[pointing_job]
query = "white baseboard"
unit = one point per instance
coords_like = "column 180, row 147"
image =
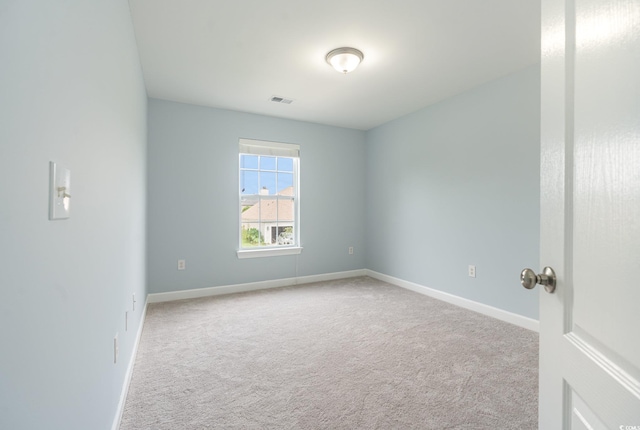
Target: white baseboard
column 251, row 286
column 127, row 378
column 500, row 314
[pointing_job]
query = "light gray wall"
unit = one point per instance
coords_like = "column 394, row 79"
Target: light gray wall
column 193, row 197
column 72, row 92
column 457, row 183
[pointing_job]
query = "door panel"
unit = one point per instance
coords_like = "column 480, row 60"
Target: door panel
column 607, row 168
column 582, row 417
column 590, row 214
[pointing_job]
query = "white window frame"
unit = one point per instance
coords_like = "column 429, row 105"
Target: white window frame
column 273, row 149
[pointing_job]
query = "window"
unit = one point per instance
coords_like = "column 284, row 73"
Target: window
column 269, row 204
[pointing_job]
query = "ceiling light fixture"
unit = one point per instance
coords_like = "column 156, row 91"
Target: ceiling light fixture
column 344, row 60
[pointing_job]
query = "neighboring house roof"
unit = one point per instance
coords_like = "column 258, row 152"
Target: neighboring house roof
column 286, row 192
column 266, row 210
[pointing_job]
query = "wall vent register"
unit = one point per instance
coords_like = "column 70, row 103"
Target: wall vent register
column 277, row 99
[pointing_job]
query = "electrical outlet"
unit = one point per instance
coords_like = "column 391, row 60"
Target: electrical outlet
column 182, row 264
column 126, row 321
column 350, row 250
column 472, row 271
column 133, row 302
column 115, row 349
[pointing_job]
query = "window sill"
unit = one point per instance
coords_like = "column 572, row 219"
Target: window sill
column 269, row 252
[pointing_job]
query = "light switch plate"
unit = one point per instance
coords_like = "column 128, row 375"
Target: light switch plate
column 59, row 191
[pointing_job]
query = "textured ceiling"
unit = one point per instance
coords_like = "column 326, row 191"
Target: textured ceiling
column 238, row 54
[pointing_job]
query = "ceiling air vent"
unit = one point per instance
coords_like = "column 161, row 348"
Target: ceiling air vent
column 281, row 100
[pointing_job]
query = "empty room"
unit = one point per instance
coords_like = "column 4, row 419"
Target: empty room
column 320, row 215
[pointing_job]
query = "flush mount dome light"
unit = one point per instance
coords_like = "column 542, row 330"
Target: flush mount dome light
column 344, row 60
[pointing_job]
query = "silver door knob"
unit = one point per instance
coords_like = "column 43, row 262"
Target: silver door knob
column 529, row 279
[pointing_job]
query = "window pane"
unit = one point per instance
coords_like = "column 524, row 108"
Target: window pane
column 267, row 163
column 284, row 236
column 286, row 211
column 268, row 211
column 248, row 161
column 267, row 183
column 251, row 236
column 285, row 164
column 248, row 182
column 246, row 203
column 285, row 184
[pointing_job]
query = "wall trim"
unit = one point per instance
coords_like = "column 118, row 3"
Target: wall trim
column 506, row 316
column 250, row 286
column 129, row 374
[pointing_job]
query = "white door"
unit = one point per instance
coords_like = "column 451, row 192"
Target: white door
column 590, row 215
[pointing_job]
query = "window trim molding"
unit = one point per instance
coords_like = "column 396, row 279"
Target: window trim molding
column 268, row 252
column 269, row 149
column 272, row 149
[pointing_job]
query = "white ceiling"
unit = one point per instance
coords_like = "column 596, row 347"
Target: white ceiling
column 237, row 54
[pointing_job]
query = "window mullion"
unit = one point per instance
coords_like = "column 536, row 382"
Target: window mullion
column 259, row 201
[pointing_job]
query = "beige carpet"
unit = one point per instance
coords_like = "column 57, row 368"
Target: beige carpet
column 348, row 354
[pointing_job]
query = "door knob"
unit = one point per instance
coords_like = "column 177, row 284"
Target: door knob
column 529, row 279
